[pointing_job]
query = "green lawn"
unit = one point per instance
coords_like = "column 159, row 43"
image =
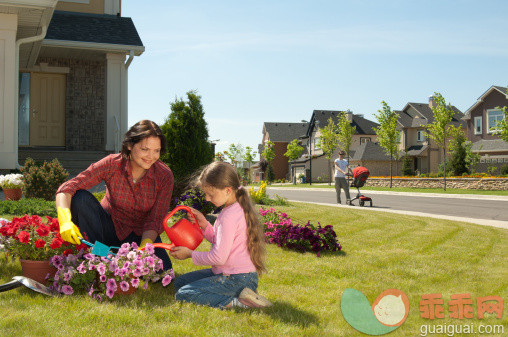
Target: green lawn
column 400, row 189
column 380, row 251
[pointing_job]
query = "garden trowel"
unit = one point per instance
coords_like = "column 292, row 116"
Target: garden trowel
column 19, row 281
column 99, row 248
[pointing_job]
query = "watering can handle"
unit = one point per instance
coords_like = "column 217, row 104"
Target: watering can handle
column 176, row 209
column 167, row 246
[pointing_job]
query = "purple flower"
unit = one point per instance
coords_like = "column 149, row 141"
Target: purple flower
column 67, row 290
column 124, row 286
column 135, row 282
column 166, row 280
column 102, row 278
column 67, row 276
column 149, row 248
column 111, row 284
column 110, row 292
column 138, row 272
column 81, row 268
column 101, row 268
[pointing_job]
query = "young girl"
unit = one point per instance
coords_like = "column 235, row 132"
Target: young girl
column 237, row 250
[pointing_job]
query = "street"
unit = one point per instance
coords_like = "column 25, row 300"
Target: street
column 485, row 210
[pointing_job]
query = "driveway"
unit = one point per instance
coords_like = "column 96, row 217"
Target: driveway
column 479, row 209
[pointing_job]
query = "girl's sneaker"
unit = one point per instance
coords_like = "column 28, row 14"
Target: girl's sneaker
column 252, row 299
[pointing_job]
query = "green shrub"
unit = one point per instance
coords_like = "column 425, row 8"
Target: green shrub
column 504, row 170
column 407, row 162
column 42, row 181
column 99, row 195
column 270, row 175
column 34, row 206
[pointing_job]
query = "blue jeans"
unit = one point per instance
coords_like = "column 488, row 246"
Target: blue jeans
column 216, row 290
column 88, row 214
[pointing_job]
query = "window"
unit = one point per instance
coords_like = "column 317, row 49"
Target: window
column 317, row 143
column 493, row 117
column 364, row 140
column 24, row 109
column 478, row 125
column 420, row 136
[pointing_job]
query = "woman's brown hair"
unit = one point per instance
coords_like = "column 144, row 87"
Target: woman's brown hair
column 139, row 131
column 221, row 175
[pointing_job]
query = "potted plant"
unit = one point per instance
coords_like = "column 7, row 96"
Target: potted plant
column 107, row 276
column 12, row 186
column 34, row 242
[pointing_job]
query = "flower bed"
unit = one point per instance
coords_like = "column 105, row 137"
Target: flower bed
column 104, row 276
column 280, row 230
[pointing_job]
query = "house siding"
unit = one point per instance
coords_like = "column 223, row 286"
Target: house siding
column 491, row 101
column 84, row 103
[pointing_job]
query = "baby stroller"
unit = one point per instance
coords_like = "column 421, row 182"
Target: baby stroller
column 360, row 175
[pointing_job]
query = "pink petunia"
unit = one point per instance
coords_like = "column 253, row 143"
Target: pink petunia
column 110, row 292
column 166, row 280
column 101, row 268
column 67, row 290
column 135, row 282
column 102, row 278
column 124, row 286
column 111, row 284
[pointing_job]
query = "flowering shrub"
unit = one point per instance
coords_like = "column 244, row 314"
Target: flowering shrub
column 257, row 196
column 104, row 276
column 31, row 239
column 42, row 181
column 280, row 230
column 195, row 199
column 11, row 181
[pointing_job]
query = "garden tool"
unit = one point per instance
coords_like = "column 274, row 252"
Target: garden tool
column 19, row 281
column 182, row 233
column 99, row 248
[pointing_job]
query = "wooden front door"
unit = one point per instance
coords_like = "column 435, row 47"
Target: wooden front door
column 47, row 109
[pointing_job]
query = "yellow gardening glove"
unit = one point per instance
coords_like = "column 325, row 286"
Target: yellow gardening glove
column 68, row 230
column 144, row 242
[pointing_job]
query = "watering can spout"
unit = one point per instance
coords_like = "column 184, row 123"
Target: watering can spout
column 182, row 233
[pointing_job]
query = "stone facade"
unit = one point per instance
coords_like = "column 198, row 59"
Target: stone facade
column 85, row 103
column 492, row 184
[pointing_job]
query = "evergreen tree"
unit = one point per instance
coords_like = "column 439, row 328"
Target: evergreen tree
column 294, row 151
column 458, row 164
column 186, row 131
column 407, row 170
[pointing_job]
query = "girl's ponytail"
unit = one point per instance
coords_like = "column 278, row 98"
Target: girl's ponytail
column 255, row 233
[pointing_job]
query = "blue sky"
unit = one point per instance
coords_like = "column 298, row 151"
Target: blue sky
column 277, row 61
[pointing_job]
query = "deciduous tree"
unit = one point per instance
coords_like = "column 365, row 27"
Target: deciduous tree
column 387, row 134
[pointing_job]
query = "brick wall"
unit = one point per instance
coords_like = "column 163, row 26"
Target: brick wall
column 85, row 103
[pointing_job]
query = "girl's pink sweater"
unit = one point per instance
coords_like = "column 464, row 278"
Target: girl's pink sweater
column 229, row 253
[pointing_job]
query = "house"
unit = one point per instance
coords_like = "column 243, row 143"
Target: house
column 415, row 143
column 481, row 119
column 318, row 168
column 281, row 134
column 372, row 156
column 63, row 69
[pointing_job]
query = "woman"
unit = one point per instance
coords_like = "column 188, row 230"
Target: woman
column 138, row 194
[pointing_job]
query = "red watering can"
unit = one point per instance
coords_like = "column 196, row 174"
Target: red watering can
column 182, row 233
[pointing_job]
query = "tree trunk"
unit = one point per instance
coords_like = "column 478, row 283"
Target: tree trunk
column 444, row 175
column 391, row 175
column 329, row 173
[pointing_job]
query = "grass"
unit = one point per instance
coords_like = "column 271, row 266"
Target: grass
column 399, row 189
column 380, row 251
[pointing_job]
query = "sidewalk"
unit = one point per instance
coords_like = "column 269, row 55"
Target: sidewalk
column 414, row 194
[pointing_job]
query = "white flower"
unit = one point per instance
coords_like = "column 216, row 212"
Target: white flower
column 12, row 180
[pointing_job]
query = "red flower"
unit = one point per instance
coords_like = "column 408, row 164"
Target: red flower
column 23, row 237
column 43, row 230
column 67, row 252
column 40, row 243
column 56, row 243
